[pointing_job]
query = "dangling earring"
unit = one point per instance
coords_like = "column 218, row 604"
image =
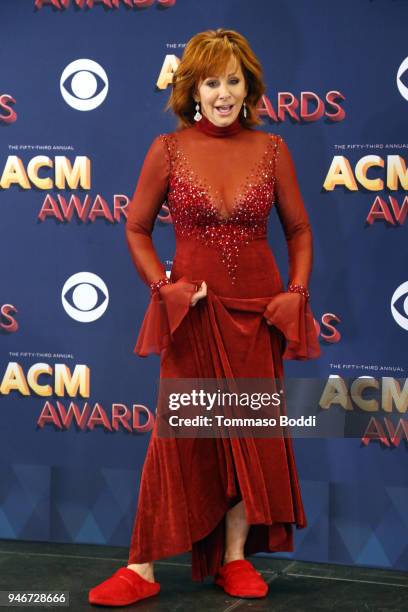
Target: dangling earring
column 198, row 116
column 245, row 110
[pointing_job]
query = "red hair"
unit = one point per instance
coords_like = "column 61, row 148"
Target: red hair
column 207, row 54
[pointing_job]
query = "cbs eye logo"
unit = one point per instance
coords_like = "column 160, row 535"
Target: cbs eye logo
column 80, row 296
column 80, row 82
column 400, row 299
column 402, row 87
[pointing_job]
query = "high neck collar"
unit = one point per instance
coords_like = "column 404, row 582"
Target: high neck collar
column 209, row 128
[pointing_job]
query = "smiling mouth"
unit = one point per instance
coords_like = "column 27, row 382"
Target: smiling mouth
column 225, row 108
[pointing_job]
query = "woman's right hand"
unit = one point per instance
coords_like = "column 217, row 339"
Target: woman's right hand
column 198, row 295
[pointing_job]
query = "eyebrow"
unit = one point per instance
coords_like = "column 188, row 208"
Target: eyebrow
column 230, row 74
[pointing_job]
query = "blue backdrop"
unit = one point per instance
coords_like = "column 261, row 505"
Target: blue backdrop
column 67, row 483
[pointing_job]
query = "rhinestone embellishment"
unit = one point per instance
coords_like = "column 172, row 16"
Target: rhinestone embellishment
column 194, row 212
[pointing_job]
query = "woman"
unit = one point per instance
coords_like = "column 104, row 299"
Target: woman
column 223, row 313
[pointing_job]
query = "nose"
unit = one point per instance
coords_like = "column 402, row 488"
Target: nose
column 224, row 92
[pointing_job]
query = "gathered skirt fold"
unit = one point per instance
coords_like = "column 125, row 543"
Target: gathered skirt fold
column 189, row 484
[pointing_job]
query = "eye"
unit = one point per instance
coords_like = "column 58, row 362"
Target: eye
column 84, row 84
column 402, row 78
column 214, row 83
column 399, row 305
column 85, row 297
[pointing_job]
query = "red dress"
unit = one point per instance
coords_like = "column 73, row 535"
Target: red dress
column 220, row 184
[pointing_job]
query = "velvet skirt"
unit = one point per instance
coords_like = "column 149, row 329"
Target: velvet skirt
column 189, row 484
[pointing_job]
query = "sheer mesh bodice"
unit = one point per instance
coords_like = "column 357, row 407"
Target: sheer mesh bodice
column 220, row 184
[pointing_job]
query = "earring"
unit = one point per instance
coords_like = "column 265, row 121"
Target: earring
column 198, row 116
column 245, row 110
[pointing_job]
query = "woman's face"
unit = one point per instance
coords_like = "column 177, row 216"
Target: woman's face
column 221, row 96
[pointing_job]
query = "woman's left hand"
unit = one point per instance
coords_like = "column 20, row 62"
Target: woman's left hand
column 281, row 302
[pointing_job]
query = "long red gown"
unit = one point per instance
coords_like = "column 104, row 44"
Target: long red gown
column 220, row 184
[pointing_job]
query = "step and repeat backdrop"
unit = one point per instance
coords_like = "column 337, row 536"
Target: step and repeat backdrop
column 83, row 88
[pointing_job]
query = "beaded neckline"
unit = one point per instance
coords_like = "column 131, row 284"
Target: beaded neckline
column 209, row 128
column 195, row 206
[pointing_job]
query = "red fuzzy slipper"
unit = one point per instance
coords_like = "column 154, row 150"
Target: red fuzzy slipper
column 240, row 579
column 123, row 588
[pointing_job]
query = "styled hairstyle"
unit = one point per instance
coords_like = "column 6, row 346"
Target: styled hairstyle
column 207, row 54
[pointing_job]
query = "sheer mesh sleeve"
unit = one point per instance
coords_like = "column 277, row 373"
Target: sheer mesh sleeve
column 149, row 195
column 294, row 218
column 167, row 308
column 290, row 312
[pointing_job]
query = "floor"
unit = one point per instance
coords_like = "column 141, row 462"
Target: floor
column 294, row 585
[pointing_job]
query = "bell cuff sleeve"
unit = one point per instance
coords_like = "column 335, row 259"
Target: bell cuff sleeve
column 291, row 314
column 164, row 314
